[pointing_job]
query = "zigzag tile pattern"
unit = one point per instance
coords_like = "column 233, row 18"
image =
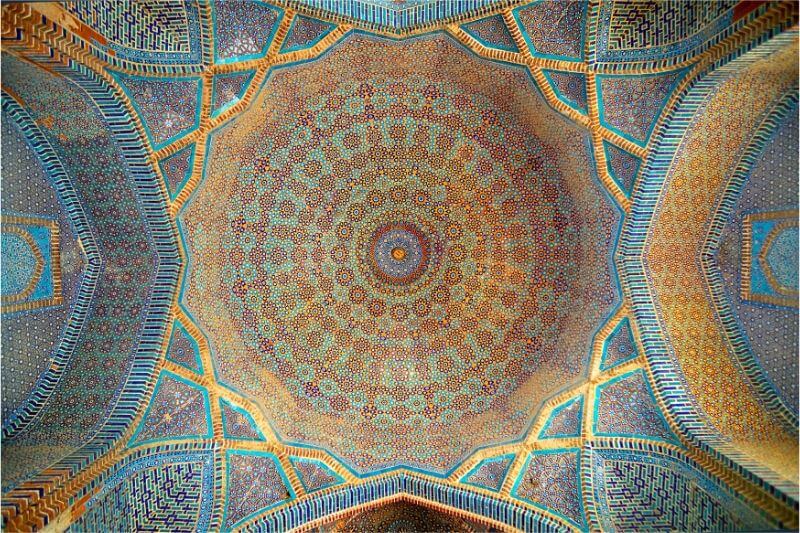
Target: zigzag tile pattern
column 200, row 455
column 169, row 491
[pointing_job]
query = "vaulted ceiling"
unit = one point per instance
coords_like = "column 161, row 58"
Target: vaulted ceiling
column 375, row 264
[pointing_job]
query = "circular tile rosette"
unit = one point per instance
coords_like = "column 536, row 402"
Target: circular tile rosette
column 400, row 252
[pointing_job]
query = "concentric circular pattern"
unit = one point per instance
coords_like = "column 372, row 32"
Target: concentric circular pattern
column 383, row 254
column 400, row 252
column 395, row 256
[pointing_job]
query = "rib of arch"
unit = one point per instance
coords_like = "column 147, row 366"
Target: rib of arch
column 337, row 502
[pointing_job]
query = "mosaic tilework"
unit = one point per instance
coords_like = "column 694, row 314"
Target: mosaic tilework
column 20, row 264
column 619, row 347
column 405, row 516
column 165, row 17
column 769, row 257
column 631, row 104
column 570, row 87
column 305, row 32
column 228, row 88
column 238, row 424
column 30, row 248
column 778, row 258
column 489, row 473
column 492, row 32
column 179, row 409
column 105, row 162
column 691, row 342
column 405, row 372
column 147, row 31
column 243, row 29
column 461, row 499
column 626, row 406
column 769, row 331
column 564, row 421
column 32, row 181
column 177, row 168
column 622, row 166
column 550, row 480
column 549, row 28
column 255, row 483
column 168, row 108
column 184, row 350
column 300, row 276
column 400, row 16
column 640, row 490
column 163, row 492
column 652, row 30
column 315, row 475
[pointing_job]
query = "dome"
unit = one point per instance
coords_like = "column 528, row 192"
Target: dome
column 399, row 265
column 402, row 251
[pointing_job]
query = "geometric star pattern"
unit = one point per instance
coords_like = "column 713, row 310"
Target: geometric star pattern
column 315, row 475
column 542, row 470
column 626, row 406
column 565, row 421
column 619, row 347
column 551, row 480
column 489, row 473
column 178, row 410
column 238, row 424
column 255, row 482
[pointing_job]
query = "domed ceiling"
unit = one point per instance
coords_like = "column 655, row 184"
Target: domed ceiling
column 367, row 265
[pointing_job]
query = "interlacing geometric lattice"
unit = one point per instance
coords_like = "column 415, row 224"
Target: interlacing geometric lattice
column 286, row 474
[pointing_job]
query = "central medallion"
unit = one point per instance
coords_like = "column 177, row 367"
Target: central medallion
column 400, row 252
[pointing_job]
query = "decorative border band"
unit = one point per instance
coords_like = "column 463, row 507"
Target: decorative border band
column 671, row 390
column 333, row 502
column 48, row 381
